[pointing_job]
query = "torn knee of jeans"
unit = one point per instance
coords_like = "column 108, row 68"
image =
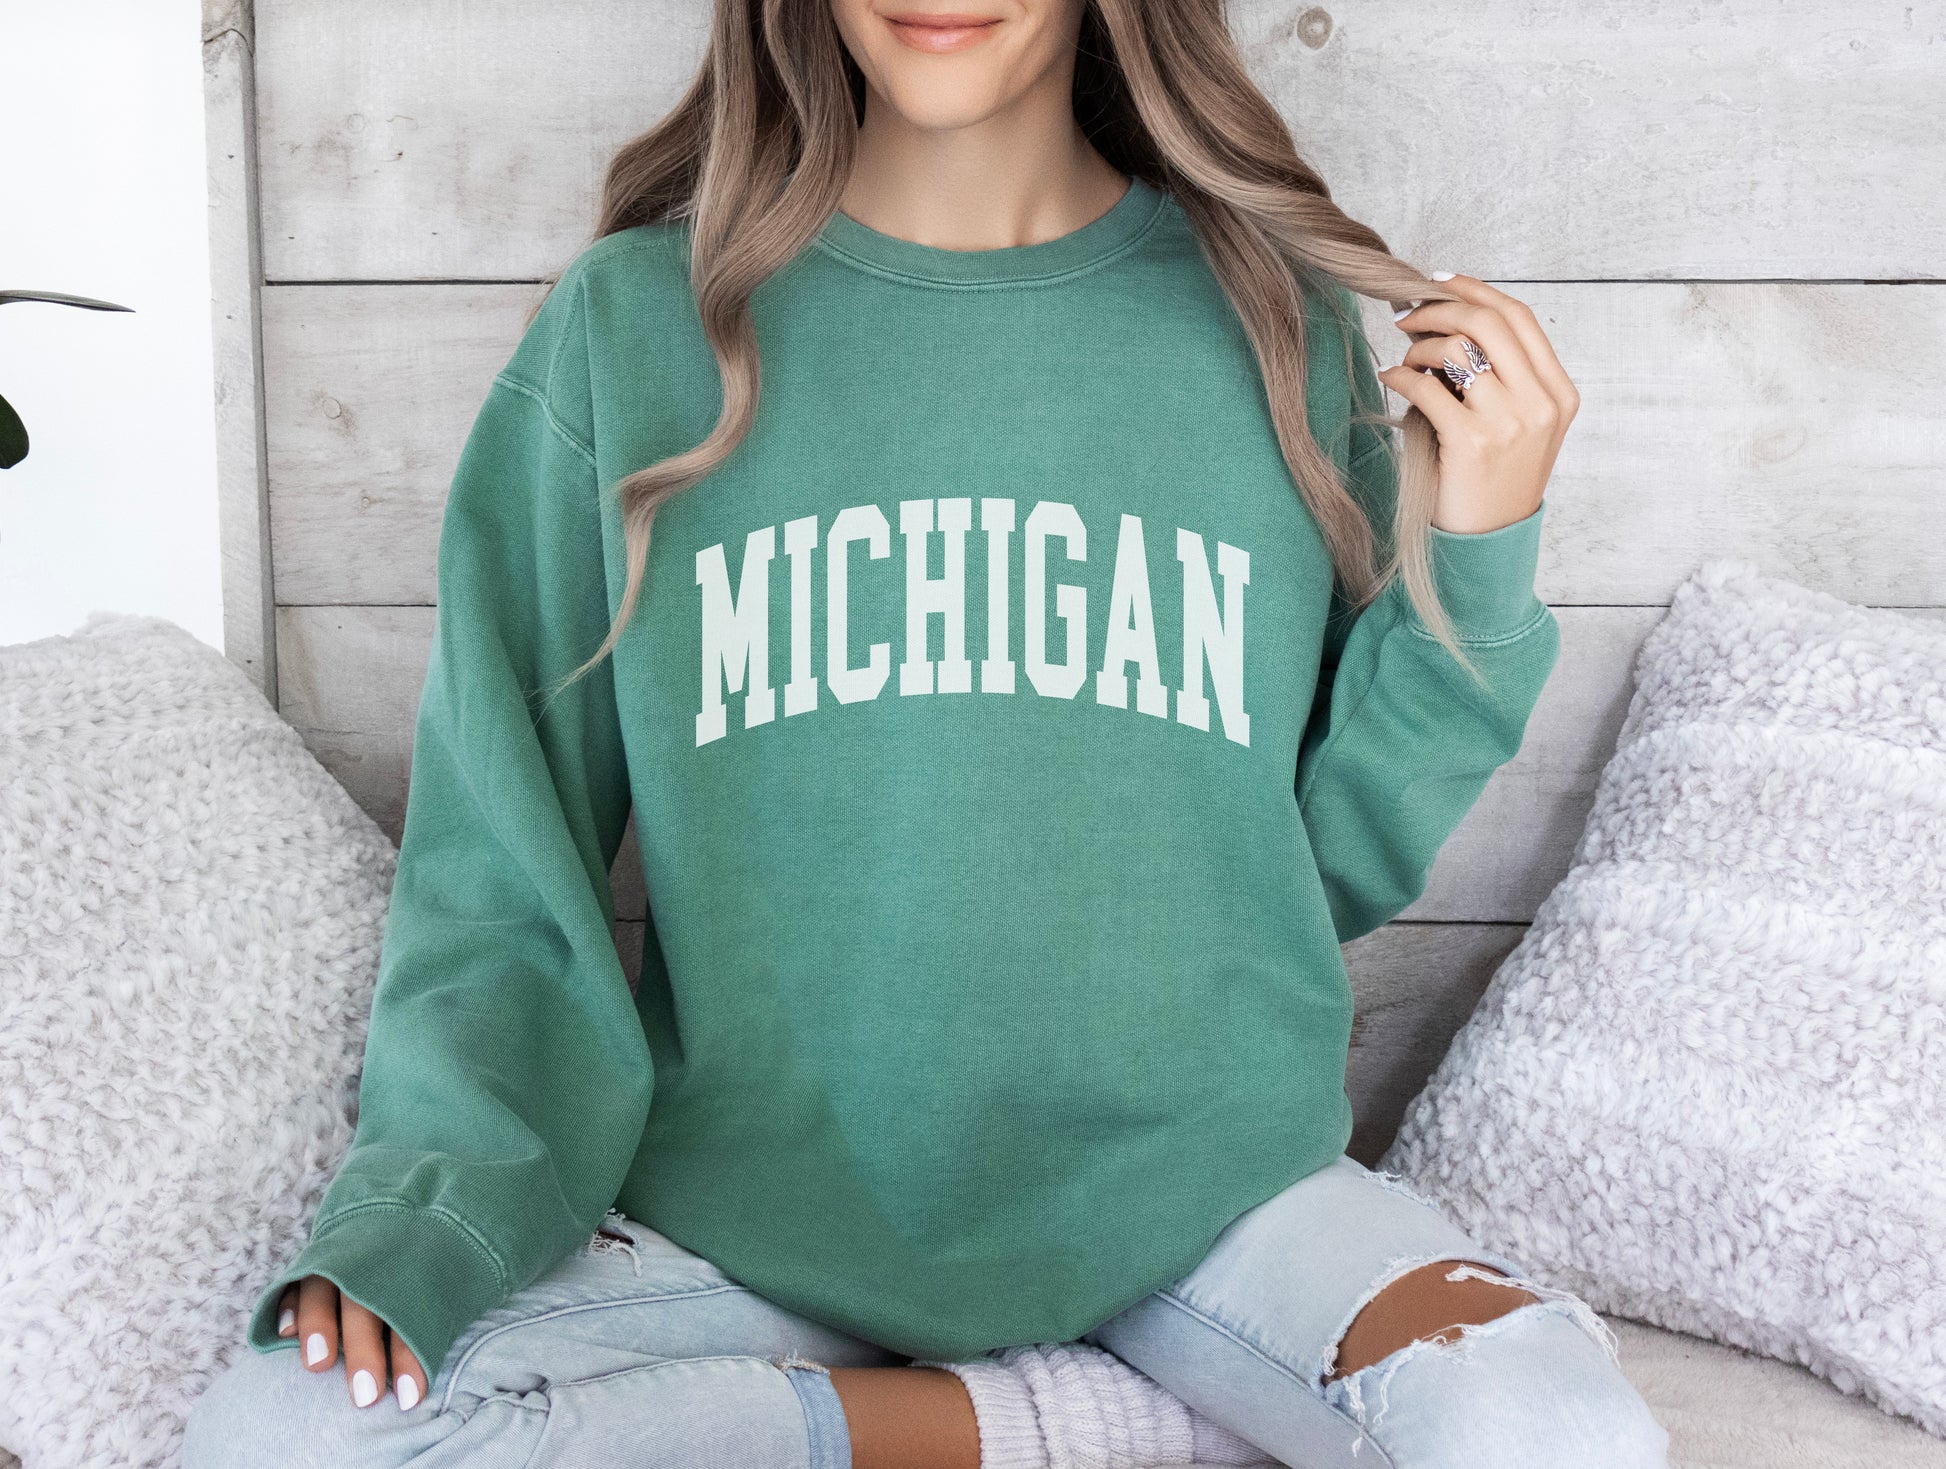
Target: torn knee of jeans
column 1395, row 1268
column 1362, row 1393
column 1498, row 1271
column 1568, row 1303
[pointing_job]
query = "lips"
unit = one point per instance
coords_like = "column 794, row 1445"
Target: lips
column 939, row 33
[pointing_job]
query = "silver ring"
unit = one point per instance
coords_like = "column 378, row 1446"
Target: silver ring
column 1462, row 377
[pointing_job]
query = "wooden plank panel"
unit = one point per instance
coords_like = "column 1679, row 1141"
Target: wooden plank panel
column 1776, row 422
column 1413, row 986
column 1771, row 421
column 1641, row 141
column 230, row 131
column 349, row 683
column 464, row 139
column 351, row 680
column 453, row 139
column 370, row 392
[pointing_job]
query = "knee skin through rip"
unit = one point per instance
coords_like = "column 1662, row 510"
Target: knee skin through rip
column 1425, row 1304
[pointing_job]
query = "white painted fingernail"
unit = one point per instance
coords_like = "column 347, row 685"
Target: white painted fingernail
column 1442, row 275
column 408, row 1390
column 364, row 1388
column 1404, row 311
column 316, row 1348
column 286, row 1320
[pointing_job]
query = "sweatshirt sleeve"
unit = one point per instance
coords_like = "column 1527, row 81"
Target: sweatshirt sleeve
column 506, row 1075
column 1401, row 741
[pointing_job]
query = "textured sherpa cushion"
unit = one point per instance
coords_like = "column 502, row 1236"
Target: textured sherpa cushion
column 191, row 911
column 1708, row 1088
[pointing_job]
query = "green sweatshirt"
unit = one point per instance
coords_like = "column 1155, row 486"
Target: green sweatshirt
column 1006, row 772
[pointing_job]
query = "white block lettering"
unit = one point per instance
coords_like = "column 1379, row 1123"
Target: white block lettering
column 856, row 523
column 1055, row 680
column 735, row 634
column 800, row 544
column 1204, row 633
column 1131, row 630
column 997, row 669
column 945, row 596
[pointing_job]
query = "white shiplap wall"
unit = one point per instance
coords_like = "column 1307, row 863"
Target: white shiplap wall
column 1730, row 217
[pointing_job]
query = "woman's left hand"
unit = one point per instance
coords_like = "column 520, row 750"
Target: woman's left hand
column 1498, row 442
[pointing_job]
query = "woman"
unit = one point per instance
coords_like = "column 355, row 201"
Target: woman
column 981, row 1101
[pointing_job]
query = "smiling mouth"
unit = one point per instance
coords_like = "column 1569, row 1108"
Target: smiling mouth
column 940, row 33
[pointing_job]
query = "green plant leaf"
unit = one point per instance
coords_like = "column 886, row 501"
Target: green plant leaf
column 56, row 298
column 13, row 433
column 13, row 436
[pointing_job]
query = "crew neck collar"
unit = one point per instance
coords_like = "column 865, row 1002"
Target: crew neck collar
column 1103, row 237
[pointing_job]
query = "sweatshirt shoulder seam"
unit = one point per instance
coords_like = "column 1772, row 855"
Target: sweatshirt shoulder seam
column 567, row 436
column 576, row 319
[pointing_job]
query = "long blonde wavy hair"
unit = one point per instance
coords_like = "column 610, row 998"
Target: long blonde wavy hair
column 758, row 152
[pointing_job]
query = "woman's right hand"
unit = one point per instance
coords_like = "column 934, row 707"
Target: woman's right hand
column 320, row 1318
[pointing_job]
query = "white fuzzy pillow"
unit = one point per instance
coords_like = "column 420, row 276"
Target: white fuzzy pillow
column 1708, row 1089
column 191, row 911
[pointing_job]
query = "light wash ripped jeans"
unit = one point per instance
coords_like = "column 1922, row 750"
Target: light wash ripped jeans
column 645, row 1354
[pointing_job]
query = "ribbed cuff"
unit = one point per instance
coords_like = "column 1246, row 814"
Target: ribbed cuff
column 1485, row 579
column 1212, row 1443
column 418, row 1270
column 1003, row 1410
column 1097, row 1410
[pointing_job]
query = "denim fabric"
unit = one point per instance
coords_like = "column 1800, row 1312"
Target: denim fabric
column 1248, row 1336
column 636, row 1353
column 647, row 1354
column 829, row 1439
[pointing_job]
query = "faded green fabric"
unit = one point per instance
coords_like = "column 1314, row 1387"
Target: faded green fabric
column 1004, row 780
